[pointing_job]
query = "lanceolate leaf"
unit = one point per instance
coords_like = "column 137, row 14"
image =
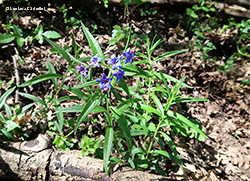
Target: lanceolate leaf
column 172, row 79
column 123, row 125
column 40, row 78
column 124, row 86
column 185, row 121
column 95, row 47
column 168, row 54
column 172, row 146
column 59, row 115
column 158, row 104
column 108, row 143
column 33, row 98
column 150, row 109
column 87, row 109
column 60, row 50
column 5, row 96
column 52, row 71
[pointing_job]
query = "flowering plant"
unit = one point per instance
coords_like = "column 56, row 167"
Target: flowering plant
column 134, row 121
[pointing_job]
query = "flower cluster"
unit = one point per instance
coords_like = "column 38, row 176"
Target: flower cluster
column 115, row 62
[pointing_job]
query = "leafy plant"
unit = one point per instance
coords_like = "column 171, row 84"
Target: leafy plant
column 128, row 118
column 18, row 34
column 89, row 145
column 9, row 128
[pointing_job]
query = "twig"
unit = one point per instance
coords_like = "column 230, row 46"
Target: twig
column 15, row 58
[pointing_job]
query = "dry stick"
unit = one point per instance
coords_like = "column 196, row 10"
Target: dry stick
column 15, row 58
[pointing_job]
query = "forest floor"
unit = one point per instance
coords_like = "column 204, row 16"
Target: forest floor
column 225, row 155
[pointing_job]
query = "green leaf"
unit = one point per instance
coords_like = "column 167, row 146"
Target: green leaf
column 158, row 104
column 23, row 109
column 87, row 109
column 17, row 31
column 7, row 134
column 132, row 70
column 76, row 91
column 160, row 89
column 129, row 38
column 89, row 83
column 123, row 125
column 52, row 71
column 112, row 41
column 168, row 54
column 51, row 34
column 165, row 154
column 60, row 50
column 191, row 13
column 171, row 79
column 189, row 99
column 8, row 111
column 95, row 47
column 40, row 78
column 172, row 146
column 5, row 96
column 124, row 86
column 31, row 97
column 66, row 98
column 150, row 109
column 6, row 38
column 138, row 132
column 108, row 144
column 59, row 115
column 185, row 121
column 20, row 41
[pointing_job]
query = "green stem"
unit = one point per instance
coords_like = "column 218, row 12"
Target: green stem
column 152, row 140
column 57, row 92
column 241, row 53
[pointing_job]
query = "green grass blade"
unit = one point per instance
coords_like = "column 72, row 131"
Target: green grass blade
column 108, row 144
column 5, row 96
column 40, row 78
column 87, row 109
column 95, row 47
column 33, row 98
column 60, row 50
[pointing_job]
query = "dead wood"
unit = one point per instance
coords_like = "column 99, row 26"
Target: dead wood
column 37, row 160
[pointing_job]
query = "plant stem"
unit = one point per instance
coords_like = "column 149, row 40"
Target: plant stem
column 152, row 140
column 57, row 92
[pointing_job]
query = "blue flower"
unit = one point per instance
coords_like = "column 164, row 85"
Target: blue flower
column 115, row 62
column 119, row 74
column 82, row 70
column 128, row 55
column 95, row 61
column 105, row 82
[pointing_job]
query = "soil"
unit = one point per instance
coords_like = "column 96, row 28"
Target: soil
column 226, row 116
